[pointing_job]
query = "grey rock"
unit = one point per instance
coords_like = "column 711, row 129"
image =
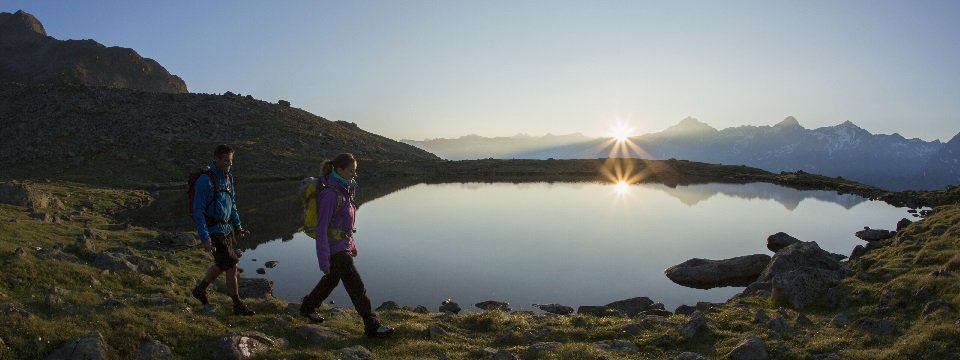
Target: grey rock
column 16, row 310
column 685, row 309
column 686, row 355
column 22, row 194
column 780, row 240
column 255, row 288
column 882, row 327
column 555, row 308
column 436, row 330
column 94, row 234
column 801, row 255
column 803, row 321
column 693, row 327
column 857, row 252
column 245, row 345
column 113, row 262
column 83, row 244
column 341, row 313
column 450, row 306
column 56, row 254
column 903, row 223
column 388, row 306
column 933, row 306
column 209, row 309
column 421, row 309
column 88, row 347
column 840, row 320
column 830, row 356
column 507, row 337
column 780, row 326
column 316, row 334
column 751, row 348
column 493, row 305
column 708, row 274
column 356, row 352
column 261, row 271
column 634, row 306
column 868, row 234
column 494, row 354
column 804, row 286
column 664, row 341
column 923, row 293
column 600, row 311
column 176, row 239
column 153, row 349
column 939, row 230
column 542, row 348
column 271, row 264
column 761, row 317
column 620, row 346
column 19, row 252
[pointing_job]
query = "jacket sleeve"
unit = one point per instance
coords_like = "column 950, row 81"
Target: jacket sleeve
column 234, row 214
column 326, row 202
column 201, row 194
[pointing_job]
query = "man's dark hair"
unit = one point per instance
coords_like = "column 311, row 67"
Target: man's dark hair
column 221, row 150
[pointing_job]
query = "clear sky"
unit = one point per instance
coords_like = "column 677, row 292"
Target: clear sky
column 427, row 69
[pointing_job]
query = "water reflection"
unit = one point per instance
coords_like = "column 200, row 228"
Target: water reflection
column 570, row 243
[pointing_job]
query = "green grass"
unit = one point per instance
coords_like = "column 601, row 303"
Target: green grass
column 66, row 300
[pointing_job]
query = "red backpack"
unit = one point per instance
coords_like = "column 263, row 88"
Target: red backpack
column 191, row 188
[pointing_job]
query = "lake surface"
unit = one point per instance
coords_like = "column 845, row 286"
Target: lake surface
column 568, row 243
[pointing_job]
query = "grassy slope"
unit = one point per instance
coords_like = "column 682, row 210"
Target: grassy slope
column 66, row 304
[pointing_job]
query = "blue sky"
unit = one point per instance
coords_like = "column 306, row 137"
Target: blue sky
column 427, row 69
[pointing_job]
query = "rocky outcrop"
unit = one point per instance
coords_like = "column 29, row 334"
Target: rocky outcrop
column 555, row 308
column 751, row 348
column 779, row 241
column 800, row 275
column 89, row 346
column 245, row 345
column 493, row 305
column 708, row 274
column 32, row 57
column 868, row 234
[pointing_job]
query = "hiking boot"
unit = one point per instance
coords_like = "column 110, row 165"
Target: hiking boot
column 242, row 309
column 379, row 331
column 308, row 312
column 200, row 294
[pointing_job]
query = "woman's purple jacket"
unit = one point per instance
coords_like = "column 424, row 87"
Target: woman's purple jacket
column 334, row 233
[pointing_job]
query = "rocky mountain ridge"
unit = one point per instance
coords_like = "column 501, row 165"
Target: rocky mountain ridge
column 30, row 56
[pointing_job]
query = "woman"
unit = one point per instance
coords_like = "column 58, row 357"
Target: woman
column 336, row 213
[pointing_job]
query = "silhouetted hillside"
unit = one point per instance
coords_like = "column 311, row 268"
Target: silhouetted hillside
column 29, row 56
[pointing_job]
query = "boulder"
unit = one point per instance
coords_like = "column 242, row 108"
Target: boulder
column 686, row 355
column 153, row 349
column 90, row 346
column 692, row 327
column 868, row 234
column 245, row 345
column 113, row 262
column 708, row 274
column 803, row 286
column 555, row 308
column 620, row 346
column 436, row 330
column 780, row 326
column 780, row 240
column 633, row 306
column 388, row 306
column 176, row 239
column 22, row 194
column 800, row 274
column 316, row 334
column 356, row 352
column 493, row 305
column 933, row 306
column 903, row 223
column 882, row 327
column 421, row 309
column 271, row 264
column 857, row 252
column 840, row 320
column 751, row 348
column 450, row 306
column 541, row 349
column 255, row 288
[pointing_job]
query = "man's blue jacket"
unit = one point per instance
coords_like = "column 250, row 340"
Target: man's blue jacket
column 223, row 209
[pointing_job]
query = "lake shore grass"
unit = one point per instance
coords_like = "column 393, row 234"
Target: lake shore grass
column 51, row 293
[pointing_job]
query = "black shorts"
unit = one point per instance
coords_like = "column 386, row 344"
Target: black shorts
column 223, row 255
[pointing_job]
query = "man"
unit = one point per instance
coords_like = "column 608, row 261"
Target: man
column 218, row 224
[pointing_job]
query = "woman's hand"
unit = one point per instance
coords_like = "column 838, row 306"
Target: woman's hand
column 353, row 252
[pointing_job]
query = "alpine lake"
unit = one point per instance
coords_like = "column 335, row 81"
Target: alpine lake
column 571, row 243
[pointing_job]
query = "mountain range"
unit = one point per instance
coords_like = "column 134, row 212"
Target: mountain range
column 846, row 150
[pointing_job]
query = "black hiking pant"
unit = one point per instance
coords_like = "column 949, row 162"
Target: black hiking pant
column 342, row 268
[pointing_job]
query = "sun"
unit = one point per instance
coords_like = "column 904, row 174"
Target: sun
column 621, row 132
column 621, row 187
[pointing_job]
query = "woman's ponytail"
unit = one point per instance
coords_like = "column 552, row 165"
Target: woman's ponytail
column 341, row 161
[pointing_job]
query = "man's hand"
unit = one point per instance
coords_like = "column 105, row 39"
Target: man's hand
column 243, row 232
column 208, row 245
